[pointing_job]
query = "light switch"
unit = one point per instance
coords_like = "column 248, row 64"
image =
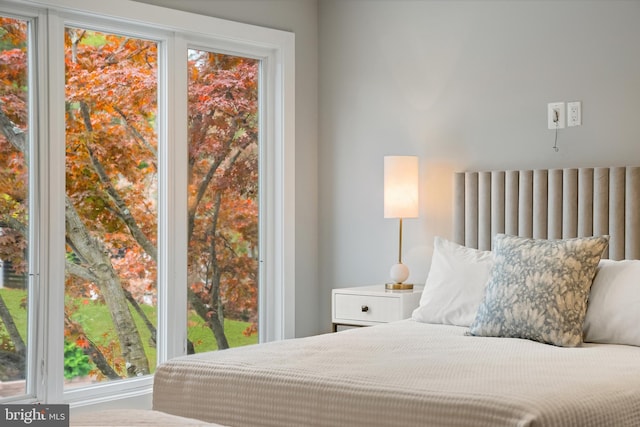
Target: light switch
column 555, row 115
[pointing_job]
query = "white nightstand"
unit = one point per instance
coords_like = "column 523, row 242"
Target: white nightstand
column 372, row 305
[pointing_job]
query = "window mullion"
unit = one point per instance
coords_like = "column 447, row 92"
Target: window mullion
column 172, row 319
column 54, row 194
column 38, row 206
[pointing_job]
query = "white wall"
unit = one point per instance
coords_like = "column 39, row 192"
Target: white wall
column 300, row 17
column 464, row 85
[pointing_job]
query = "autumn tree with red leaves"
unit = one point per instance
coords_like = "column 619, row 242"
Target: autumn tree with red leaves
column 223, row 188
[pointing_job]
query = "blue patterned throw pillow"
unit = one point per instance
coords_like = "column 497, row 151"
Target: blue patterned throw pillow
column 538, row 289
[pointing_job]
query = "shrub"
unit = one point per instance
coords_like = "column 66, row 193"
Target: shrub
column 76, row 363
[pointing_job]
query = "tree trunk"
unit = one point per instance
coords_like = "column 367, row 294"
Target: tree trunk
column 217, row 314
column 11, row 328
column 12, row 364
column 97, row 257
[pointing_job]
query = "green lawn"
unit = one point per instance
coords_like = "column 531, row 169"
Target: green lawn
column 96, row 321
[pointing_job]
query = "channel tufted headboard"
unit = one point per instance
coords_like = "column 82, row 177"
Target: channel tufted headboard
column 550, row 204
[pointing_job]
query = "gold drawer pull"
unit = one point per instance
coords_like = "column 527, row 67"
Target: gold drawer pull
column 364, row 308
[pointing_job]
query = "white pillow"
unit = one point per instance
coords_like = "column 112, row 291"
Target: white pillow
column 613, row 313
column 455, row 284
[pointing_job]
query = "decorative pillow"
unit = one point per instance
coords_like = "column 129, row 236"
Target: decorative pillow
column 538, row 289
column 613, row 313
column 455, row 284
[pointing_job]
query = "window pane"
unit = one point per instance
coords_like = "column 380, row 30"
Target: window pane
column 14, row 198
column 223, row 201
column 110, row 207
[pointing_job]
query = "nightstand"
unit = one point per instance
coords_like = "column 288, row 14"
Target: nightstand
column 372, row 305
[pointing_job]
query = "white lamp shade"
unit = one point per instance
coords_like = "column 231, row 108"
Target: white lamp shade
column 400, row 187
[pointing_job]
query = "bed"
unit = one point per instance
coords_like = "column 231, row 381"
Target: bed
column 559, row 346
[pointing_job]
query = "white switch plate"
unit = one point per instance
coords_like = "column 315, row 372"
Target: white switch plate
column 574, row 113
column 555, row 112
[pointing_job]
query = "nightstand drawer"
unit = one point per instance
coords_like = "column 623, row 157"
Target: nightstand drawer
column 366, row 308
column 371, row 305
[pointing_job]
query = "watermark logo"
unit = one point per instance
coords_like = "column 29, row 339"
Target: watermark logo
column 34, row 415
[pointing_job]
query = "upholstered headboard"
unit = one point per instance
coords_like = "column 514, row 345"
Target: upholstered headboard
column 550, row 204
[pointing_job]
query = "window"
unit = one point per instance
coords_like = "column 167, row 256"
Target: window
column 15, row 220
column 111, row 215
column 223, row 200
column 116, row 247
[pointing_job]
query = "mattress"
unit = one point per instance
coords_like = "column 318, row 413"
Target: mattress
column 405, row 374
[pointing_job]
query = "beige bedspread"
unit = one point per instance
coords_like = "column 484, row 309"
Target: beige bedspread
column 405, row 374
column 132, row 418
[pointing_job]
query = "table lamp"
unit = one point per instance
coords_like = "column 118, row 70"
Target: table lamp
column 400, row 201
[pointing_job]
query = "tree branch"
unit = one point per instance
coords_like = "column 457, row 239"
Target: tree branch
column 202, row 188
column 100, row 361
column 79, row 271
column 123, row 210
column 12, row 223
column 143, row 316
column 16, row 136
column 137, row 135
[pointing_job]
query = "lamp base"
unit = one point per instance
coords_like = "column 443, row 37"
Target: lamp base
column 398, row 286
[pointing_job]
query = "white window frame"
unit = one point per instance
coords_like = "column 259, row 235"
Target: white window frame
column 37, row 203
column 175, row 31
